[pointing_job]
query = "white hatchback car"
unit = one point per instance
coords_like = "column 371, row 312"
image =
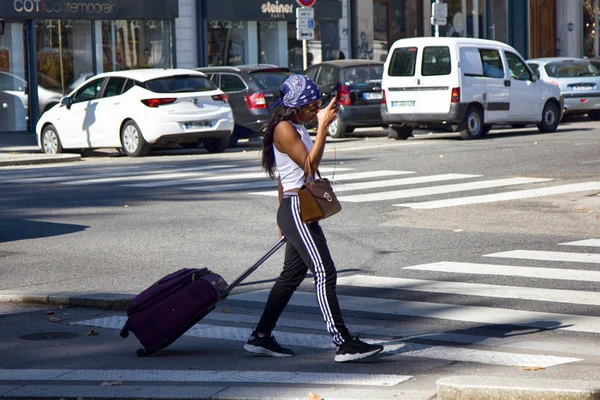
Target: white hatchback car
column 131, row 110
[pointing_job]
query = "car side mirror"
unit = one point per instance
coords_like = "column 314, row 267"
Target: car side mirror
column 66, row 101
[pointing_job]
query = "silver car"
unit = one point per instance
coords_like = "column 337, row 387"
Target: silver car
column 578, row 80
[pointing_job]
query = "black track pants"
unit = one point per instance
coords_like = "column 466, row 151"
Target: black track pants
column 306, row 248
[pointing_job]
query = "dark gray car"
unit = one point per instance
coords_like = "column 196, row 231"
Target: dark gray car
column 251, row 90
column 358, row 87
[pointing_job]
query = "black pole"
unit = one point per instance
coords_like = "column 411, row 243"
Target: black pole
column 32, row 74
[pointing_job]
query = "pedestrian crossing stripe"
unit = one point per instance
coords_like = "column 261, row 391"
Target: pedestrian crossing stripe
column 473, row 289
column 391, row 347
column 223, row 376
column 433, row 190
column 587, row 242
column 451, row 312
column 548, row 256
column 513, row 195
column 509, row 270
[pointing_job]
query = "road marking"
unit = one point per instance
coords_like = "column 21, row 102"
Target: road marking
column 270, row 183
column 390, row 347
column 548, row 256
column 452, row 312
column 587, row 242
column 113, row 375
column 339, row 186
column 427, row 191
column 514, row 195
column 473, row 289
column 224, row 177
column 509, row 270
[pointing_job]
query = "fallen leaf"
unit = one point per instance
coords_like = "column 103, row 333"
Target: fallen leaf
column 312, row 396
column 535, row 142
column 116, row 383
column 126, row 206
column 53, row 319
column 224, row 311
column 92, row 333
column 442, row 156
column 49, row 313
column 581, row 208
column 532, row 368
column 334, row 388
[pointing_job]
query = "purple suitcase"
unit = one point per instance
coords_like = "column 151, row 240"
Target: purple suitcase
column 170, row 307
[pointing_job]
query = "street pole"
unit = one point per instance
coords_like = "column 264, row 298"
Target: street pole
column 304, row 54
column 596, row 37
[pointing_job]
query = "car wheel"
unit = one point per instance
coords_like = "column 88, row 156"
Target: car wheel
column 472, row 126
column 336, row 129
column 51, row 141
column 550, row 118
column 402, row 132
column 216, row 145
column 519, row 126
column 190, row 145
column 594, row 115
column 134, row 144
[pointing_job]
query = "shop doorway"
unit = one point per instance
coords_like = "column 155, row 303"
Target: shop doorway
column 542, row 25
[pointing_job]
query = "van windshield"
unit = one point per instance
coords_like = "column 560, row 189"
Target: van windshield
column 403, row 62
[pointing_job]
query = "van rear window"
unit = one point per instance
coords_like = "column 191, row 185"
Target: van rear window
column 403, row 62
column 436, row 61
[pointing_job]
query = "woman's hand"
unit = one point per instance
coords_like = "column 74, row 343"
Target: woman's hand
column 328, row 114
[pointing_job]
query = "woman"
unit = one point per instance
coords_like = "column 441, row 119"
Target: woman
column 286, row 146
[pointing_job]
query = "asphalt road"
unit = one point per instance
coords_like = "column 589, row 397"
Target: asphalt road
column 111, row 224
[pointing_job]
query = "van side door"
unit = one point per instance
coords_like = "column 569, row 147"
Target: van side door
column 401, row 85
column 525, row 95
column 437, row 80
column 497, row 99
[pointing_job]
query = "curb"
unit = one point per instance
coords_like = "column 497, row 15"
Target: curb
column 108, row 301
column 15, row 159
column 501, row 388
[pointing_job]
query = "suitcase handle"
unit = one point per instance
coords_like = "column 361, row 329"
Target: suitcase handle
column 253, row 268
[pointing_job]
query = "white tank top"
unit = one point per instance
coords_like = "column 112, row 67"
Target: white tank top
column 290, row 173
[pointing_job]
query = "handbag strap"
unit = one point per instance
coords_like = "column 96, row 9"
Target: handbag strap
column 308, row 173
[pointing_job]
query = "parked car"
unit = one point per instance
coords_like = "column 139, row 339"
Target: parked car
column 134, row 109
column 357, row 84
column 17, row 86
column 578, row 80
column 464, row 85
column 251, row 90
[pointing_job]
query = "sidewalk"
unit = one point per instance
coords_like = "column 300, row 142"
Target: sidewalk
column 20, row 148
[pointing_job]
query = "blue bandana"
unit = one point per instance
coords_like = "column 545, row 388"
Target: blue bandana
column 297, row 91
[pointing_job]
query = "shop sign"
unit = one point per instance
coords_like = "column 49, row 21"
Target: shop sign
column 92, row 9
column 277, row 10
column 268, row 10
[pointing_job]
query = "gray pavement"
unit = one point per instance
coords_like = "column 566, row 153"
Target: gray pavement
column 57, row 378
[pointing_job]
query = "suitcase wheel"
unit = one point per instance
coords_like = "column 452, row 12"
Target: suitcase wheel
column 125, row 331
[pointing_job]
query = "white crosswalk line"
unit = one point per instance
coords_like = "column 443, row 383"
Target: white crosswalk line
column 271, row 183
column 428, row 191
column 473, row 289
column 390, row 347
column 342, row 187
column 548, row 256
column 222, row 177
column 513, row 195
column 509, row 270
column 453, row 312
column 587, row 242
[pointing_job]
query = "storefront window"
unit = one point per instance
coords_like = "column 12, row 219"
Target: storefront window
column 13, row 78
column 294, row 50
column 227, row 42
column 498, row 24
column 380, row 30
column 141, row 44
column 64, row 54
column 589, row 29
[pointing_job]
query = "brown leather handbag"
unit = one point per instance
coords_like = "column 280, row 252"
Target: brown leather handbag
column 317, row 199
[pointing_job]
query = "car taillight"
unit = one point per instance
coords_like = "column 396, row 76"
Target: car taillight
column 221, row 97
column 344, row 98
column 383, row 99
column 256, row 100
column 158, row 102
column 455, row 96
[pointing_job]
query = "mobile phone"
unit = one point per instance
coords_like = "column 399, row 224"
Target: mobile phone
column 329, row 97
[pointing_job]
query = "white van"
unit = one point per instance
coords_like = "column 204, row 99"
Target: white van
column 465, row 85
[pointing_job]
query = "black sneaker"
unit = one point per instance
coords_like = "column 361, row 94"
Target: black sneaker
column 266, row 345
column 355, row 349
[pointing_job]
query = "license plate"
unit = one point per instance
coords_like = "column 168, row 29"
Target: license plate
column 582, row 87
column 197, row 124
column 372, row 96
column 404, row 103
